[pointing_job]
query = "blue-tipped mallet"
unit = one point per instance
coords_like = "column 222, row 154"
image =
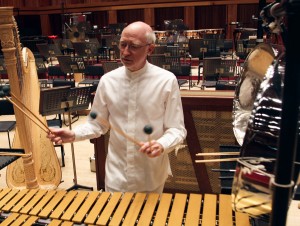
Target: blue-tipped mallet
column 148, row 129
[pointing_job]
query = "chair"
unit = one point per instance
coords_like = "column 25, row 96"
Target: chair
column 54, row 50
column 211, row 47
column 195, row 46
column 93, row 49
column 55, row 72
column 115, row 52
column 58, row 82
column 41, row 68
column 244, row 47
column 109, row 66
column 183, row 48
column 173, row 64
column 6, row 108
column 92, row 74
column 65, row 46
column 172, row 51
column 211, row 71
column 226, row 48
column 213, row 36
column 80, row 48
column 44, row 51
column 160, row 49
column 227, row 69
column 157, row 59
column 67, row 65
column 103, row 53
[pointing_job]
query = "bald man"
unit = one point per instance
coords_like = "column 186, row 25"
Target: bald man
column 128, row 98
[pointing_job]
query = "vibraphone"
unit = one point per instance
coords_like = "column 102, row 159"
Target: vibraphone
column 59, row 207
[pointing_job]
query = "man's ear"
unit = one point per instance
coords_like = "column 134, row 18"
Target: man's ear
column 151, row 49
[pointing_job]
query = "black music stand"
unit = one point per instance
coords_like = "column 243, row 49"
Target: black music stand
column 65, row 99
column 5, row 160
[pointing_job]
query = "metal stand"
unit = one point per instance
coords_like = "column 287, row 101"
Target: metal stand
column 289, row 131
column 63, row 99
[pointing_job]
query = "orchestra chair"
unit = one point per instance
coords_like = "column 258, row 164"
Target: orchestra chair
column 54, row 50
column 41, row 68
column 172, row 51
column 65, row 46
column 103, row 54
column 68, row 65
column 226, row 48
column 109, row 66
column 115, row 52
column 92, row 74
column 6, row 108
column 93, row 47
column 195, row 46
column 57, row 123
column 228, row 69
column 213, row 36
column 55, row 72
column 160, row 49
column 59, row 82
column 244, row 47
column 82, row 50
column 45, row 52
column 179, row 69
column 197, row 50
column 211, row 71
column 42, row 72
column 157, row 59
column 184, row 49
column 110, row 40
column 211, row 47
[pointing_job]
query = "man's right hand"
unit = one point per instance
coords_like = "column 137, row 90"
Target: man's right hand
column 61, row 135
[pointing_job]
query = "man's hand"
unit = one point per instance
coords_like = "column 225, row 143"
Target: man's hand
column 152, row 149
column 61, row 135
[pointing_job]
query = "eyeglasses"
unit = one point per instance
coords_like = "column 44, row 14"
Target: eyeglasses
column 131, row 47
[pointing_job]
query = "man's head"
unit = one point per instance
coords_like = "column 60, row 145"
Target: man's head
column 136, row 43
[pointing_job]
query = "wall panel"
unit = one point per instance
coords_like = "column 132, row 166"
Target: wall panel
column 213, row 16
column 244, row 15
column 130, row 15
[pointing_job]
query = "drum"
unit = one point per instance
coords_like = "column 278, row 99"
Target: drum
column 252, row 184
column 255, row 67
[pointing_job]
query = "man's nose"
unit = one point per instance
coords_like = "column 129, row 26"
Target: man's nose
column 126, row 50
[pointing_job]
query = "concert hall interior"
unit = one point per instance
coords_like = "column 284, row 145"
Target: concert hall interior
column 235, row 63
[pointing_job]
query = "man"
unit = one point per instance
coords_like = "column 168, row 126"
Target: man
column 129, row 98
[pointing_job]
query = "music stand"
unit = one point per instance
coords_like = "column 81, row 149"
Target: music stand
column 65, row 99
column 5, row 160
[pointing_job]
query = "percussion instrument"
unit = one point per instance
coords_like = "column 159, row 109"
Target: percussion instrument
column 59, row 207
column 254, row 69
column 254, row 177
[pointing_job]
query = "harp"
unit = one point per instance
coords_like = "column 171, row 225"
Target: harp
column 42, row 169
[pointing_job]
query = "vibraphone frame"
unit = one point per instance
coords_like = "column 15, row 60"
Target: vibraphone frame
column 59, row 207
